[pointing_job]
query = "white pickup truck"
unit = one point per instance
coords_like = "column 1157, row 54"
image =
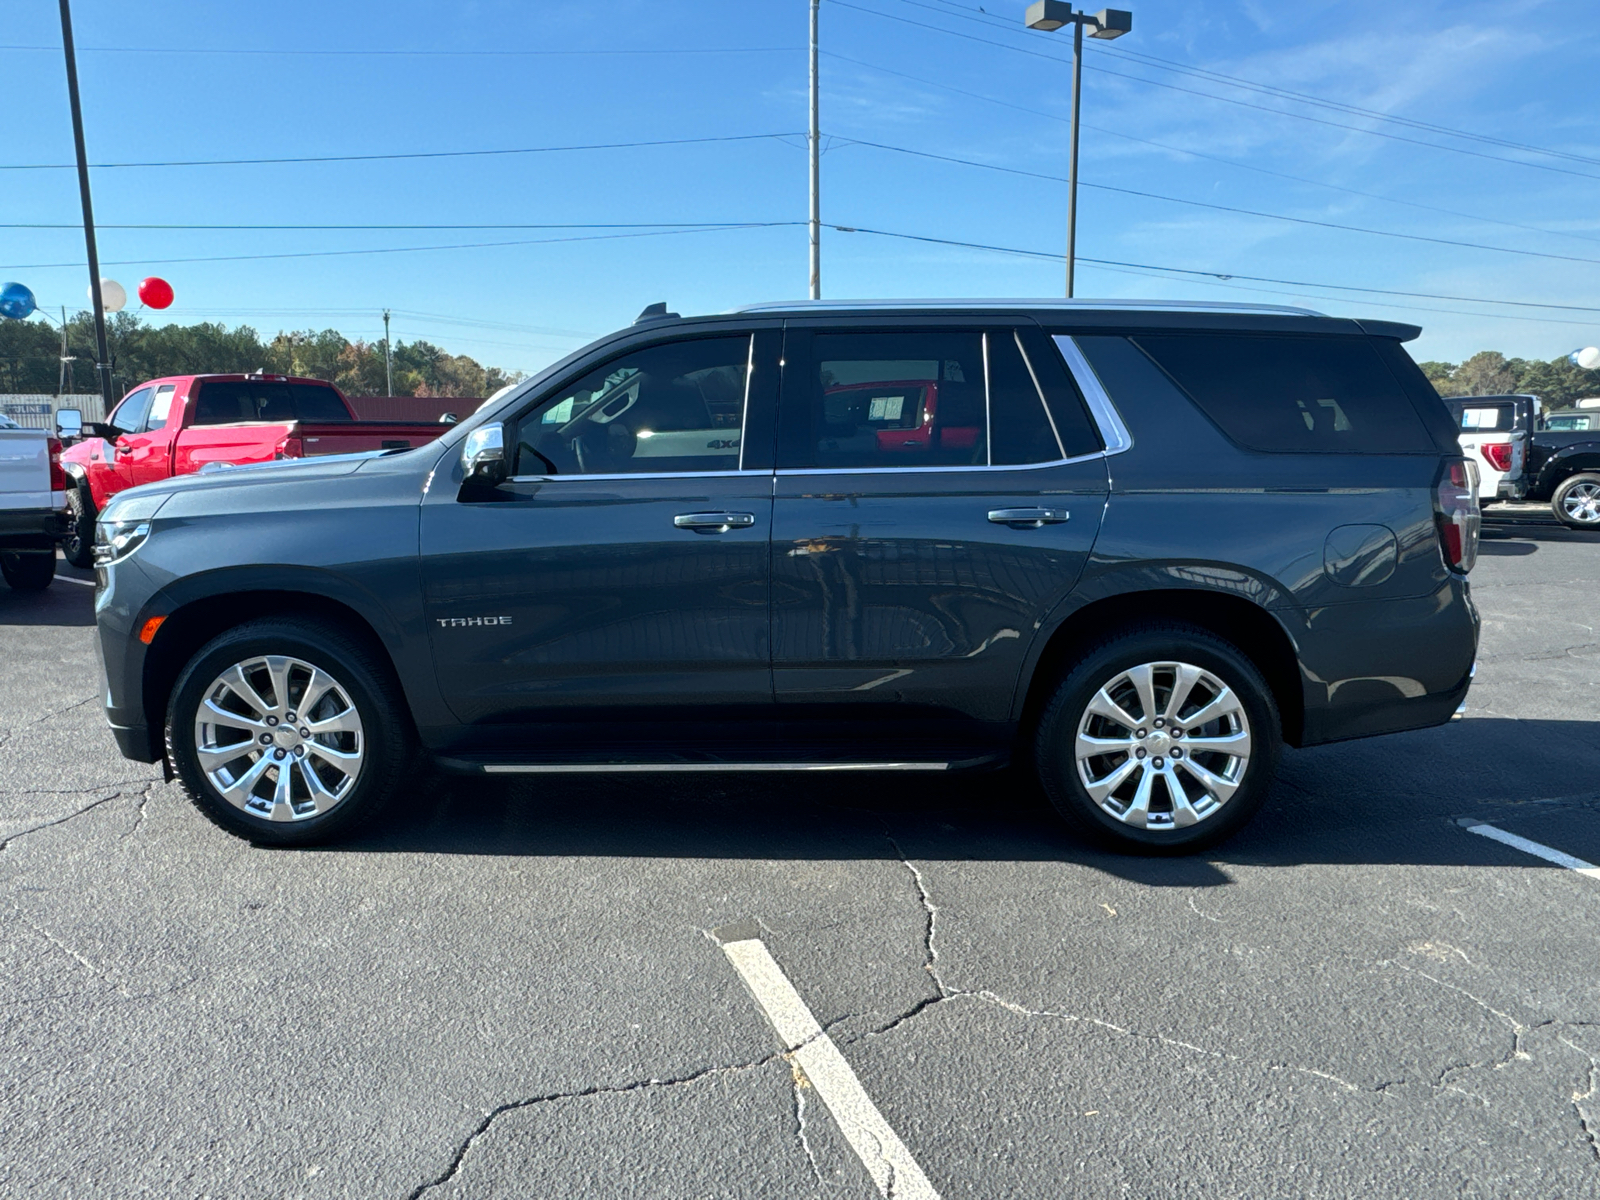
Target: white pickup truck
column 33, row 505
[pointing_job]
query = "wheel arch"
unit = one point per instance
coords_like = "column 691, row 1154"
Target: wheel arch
column 192, row 624
column 1257, row 634
column 1565, row 465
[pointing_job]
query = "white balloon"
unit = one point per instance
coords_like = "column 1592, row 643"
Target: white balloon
column 113, row 298
column 1589, row 357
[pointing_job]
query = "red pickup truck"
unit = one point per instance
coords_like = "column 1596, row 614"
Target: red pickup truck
column 183, row 423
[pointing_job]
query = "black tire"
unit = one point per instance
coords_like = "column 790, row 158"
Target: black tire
column 28, row 572
column 78, row 546
column 1576, row 502
column 386, row 739
column 1104, row 665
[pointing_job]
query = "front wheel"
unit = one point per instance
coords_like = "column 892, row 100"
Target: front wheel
column 78, row 547
column 1576, row 502
column 288, row 732
column 1163, row 740
column 28, row 572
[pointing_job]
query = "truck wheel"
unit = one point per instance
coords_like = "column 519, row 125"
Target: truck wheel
column 1162, row 740
column 78, row 546
column 1577, row 501
column 28, row 572
column 288, row 732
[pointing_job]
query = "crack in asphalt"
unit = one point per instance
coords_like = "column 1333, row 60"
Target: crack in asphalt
column 1582, row 649
column 6, row 844
column 1589, row 1125
column 801, row 1086
column 67, row 709
column 639, row 1085
column 138, row 821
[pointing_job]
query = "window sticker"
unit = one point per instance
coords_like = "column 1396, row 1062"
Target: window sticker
column 885, row 408
column 1480, row 418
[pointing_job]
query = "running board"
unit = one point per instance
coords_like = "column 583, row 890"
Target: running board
column 653, row 768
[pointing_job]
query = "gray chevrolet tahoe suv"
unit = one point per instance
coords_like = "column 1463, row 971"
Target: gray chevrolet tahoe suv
column 1130, row 548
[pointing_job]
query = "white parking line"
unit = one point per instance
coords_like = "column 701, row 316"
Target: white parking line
column 881, row 1151
column 1547, row 853
column 75, row 579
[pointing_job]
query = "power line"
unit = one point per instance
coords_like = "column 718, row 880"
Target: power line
column 1106, row 187
column 663, row 225
column 321, row 158
column 431, row 53
column 1395, row 137
column 1054, row 255
column 599, row 237
column 1216, row 158
column 1167, row 64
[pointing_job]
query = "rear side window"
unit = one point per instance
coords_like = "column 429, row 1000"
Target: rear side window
column 1294, row 393
column 160, row 407
column 227, row 402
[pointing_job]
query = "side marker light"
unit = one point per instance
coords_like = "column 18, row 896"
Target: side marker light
column 147, row 632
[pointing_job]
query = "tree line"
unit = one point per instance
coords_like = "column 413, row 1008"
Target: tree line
column 1558, row 382
column 30, row 358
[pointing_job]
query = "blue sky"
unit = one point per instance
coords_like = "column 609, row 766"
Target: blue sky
column 183, row 80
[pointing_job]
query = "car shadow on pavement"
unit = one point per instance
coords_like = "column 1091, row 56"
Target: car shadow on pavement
column 62, row 603
column 1539, row 527
column 1388, row 800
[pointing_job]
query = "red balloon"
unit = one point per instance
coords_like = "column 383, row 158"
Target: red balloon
column 155, row 292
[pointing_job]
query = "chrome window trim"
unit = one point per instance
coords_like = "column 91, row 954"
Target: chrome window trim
column 744, row 412
column 1060, row 462
column 988, row 415
column 1112, row 431
column 753, row 474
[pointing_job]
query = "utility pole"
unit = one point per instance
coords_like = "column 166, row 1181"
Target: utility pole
column 102, row 354
column 388, row 358
column 1072, row 165
column 816, row 168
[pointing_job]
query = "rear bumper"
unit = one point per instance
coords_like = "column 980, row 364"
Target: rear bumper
column 1386, row 665
column 134, row 742
column 33, row 528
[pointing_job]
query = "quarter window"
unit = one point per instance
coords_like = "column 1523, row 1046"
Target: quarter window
column 669, row 409
column 1293, row 393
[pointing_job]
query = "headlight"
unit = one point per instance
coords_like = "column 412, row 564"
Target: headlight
column 115, row 540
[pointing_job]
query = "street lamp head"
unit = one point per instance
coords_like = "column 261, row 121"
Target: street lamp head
column 1048, row 15
column 1112, row 22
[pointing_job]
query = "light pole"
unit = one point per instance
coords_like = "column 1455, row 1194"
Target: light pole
column 1050, row 15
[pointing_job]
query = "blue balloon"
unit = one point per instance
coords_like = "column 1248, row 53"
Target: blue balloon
column 16, row 302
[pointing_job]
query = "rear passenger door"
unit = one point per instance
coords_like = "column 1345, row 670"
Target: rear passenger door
column 930, row 509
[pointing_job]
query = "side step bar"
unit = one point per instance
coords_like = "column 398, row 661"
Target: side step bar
column 638, row 768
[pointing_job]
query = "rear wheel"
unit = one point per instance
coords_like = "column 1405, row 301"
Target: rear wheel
column 78, row 548
column 28, row 572
column 1163, row 740
column 288, row 733
column 1576, row 502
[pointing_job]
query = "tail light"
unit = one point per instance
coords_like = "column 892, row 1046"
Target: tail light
column 58, row 477
column 1498, row 454
column 1455, row 508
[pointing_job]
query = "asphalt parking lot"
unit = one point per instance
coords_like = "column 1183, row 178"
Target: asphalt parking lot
column 515, row 989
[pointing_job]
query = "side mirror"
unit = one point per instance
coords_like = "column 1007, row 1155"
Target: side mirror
column 483, row 456
column 69, row 424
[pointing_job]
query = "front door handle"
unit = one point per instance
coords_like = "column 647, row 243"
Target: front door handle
column 1028, row 518
column 714, row 522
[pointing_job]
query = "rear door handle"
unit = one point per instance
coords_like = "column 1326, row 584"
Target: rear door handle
column 1028, row 518
column 714, row 522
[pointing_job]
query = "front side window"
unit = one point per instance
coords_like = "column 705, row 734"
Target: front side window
column 129, row 416
column 160, row 407
column 675, row 408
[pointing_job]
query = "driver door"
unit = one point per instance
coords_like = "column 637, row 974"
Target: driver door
column 616, row 586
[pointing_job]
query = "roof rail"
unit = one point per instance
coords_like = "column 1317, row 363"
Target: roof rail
column 986, row 304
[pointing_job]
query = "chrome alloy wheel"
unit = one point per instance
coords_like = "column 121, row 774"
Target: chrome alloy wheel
column 1582, row 504
column 1163, row 745
column 279, row 738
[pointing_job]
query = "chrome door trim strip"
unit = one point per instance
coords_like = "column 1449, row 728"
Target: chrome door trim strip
column 652, row 768
column 1114, row 433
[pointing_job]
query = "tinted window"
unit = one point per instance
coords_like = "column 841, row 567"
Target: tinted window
column 1293, row 393
column 130, row 415
column 1068, row 412
column 160, row 407
column 1484, row 417
column 1424, row 397
column 227, row 402
column 911, row 399
column 1019, row 429
column 673, row 408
